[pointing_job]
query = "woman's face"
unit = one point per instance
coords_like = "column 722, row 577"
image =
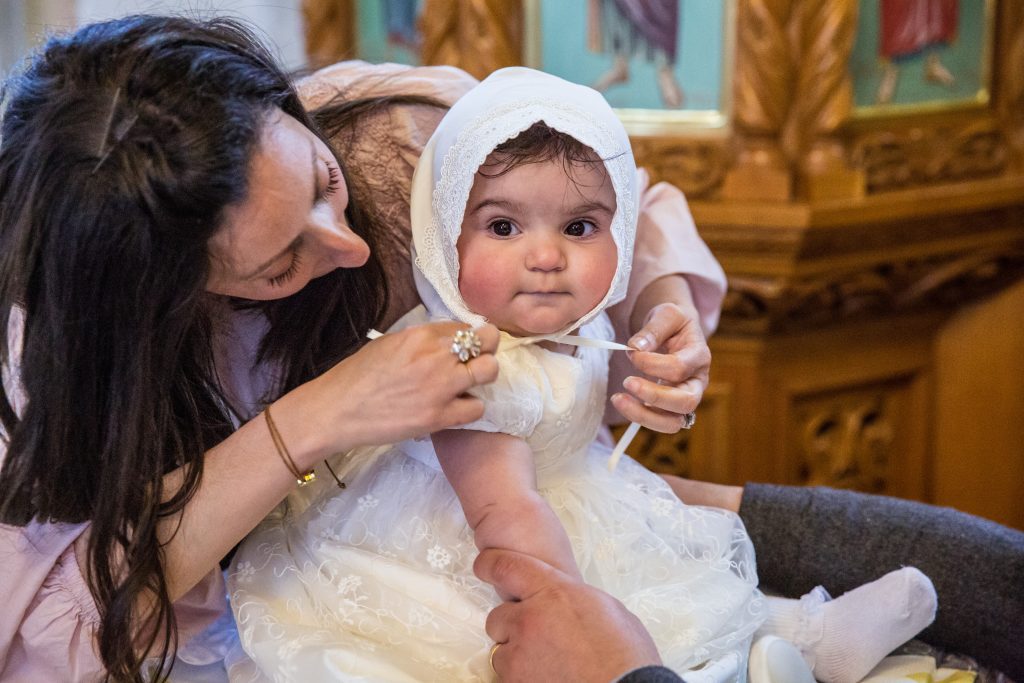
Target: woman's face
column 291, row 227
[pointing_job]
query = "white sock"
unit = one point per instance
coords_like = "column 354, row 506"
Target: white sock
column 843, row 639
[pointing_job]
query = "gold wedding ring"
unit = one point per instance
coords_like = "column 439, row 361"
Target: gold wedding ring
column 490, row 660
column 472, row 377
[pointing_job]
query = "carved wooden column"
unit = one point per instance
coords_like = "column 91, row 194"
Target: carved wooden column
column 478, row 36
column 1010, row 95
column 330, row 26
column 762, row 85
column 823, row 35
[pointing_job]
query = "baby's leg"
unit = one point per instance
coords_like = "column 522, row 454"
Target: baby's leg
column 843, row 639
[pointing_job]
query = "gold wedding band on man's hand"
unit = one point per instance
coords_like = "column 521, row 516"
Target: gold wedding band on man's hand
column 466, row 344
column 490, row 660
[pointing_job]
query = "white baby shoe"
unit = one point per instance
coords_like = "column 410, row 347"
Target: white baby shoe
column 774, row 660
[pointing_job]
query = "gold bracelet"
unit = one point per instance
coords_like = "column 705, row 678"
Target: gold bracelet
column 301, row 478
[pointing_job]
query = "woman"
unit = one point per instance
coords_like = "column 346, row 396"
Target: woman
column 181, row 250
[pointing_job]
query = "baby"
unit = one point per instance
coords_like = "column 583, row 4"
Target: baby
column 524, row 212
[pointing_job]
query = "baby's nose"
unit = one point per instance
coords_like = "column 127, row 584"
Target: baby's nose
column 545, row 254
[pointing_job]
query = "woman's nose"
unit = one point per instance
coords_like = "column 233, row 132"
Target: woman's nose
column 343, row 247
column 545, row 254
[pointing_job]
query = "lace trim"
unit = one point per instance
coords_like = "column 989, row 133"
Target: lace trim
column 812, row 616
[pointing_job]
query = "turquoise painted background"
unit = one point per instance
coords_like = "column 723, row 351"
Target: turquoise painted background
column 372, row 35
column 964, row 58
column 698, row 66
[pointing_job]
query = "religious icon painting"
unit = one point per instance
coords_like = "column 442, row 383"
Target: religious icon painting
column 912, row 56
column 660, row 63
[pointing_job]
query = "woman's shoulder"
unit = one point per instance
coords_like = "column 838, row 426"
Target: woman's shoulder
column 355, row 79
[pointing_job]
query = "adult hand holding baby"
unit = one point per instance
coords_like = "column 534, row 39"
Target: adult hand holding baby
column 557, row 628
column 403, row 385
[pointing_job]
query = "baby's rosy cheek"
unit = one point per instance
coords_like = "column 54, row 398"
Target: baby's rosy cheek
column 482, row 286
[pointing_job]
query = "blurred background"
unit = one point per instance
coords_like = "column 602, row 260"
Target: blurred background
column 25, row 23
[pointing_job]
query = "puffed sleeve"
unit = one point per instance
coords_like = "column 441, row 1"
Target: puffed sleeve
column 49, row 620
column 514, row 402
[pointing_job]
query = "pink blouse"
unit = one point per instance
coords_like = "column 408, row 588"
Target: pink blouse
column 49, row 620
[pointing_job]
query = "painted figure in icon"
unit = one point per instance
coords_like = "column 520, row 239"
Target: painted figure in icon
column 649, row 28
column 908, row 28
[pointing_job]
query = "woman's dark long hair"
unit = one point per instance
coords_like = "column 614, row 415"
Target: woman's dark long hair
column 120, row 147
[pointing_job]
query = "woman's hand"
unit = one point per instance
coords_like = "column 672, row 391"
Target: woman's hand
column 671, row 349
column 557, row 628
column 402, row 385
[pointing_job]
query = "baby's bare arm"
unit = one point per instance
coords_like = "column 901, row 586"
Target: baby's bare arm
column 494, row 478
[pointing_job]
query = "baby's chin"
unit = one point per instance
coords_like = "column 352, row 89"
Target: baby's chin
column 535, row 328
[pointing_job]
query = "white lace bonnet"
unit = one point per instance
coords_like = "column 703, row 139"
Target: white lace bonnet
column 503, row 105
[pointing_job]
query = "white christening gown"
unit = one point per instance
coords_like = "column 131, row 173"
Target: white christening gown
column 375, row 582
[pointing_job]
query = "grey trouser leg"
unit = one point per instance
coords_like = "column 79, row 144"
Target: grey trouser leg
column 806, row 537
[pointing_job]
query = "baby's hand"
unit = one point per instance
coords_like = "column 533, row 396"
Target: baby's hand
column 672, row 350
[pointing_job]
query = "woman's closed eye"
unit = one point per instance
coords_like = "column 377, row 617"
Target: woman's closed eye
column 333, row 181
column 287, row 275
column 581, row 228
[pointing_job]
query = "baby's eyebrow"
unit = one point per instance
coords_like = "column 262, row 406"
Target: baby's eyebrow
column 506, row 204
column 592, row 206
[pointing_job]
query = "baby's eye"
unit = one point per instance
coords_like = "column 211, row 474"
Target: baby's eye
column 580, row 229
column 503, row 228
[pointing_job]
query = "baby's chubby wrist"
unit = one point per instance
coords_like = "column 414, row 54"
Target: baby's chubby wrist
column 526, row 523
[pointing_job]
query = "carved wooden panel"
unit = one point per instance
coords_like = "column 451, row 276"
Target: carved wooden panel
column 697, row 167
column 894, row 159
column 845, row 440
column 667, row 453
column 777, row 304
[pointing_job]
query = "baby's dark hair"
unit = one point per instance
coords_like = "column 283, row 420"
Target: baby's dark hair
column 538, row 144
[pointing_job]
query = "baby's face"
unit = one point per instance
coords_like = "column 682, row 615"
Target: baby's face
column 536, row 252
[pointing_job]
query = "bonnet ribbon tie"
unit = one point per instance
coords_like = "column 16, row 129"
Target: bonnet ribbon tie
column 572, row 340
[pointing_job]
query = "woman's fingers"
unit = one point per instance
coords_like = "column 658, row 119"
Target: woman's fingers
column 674, row 362
column 683, row 398
column 663, row 322
column 674, row 366
column 404, row 384
column 657, row 406
column 652, row 418
column 460, row 411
